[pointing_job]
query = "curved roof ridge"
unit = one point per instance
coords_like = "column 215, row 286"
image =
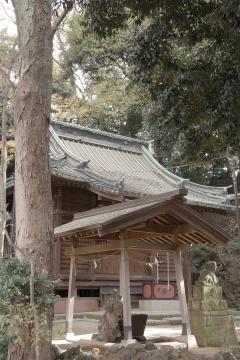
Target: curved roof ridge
column 100, row 132
column 81, row 168
column 206, row 194
column 55, row 144
column 212, row 192
column 134, row 172
column 169, row 176
column 220, row 190
column 64, row 149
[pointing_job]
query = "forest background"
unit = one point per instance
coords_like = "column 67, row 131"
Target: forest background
column 168, row 74
column 155, row 76
column 170, row 77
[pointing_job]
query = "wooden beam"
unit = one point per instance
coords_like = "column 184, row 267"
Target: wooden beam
column 89, row 232
column 62, row 212
column 216, row 234
column 101, row 248
column 107, row 195
column 170, row 229
column 125, row 287
column 95, row 249
column 154, row 230
column 138, row 226
column 127, row 204
column 141, row 245
column 116, row 245
column 143, row 251
column 132, row 234
column 128, row 220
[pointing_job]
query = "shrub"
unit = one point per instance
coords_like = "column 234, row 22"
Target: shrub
column 16, row 311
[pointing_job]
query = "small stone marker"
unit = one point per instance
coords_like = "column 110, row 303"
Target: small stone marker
column 211, row 320
column 109, row 326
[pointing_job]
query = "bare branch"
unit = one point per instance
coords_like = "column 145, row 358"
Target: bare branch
column 59, row 20
column 80, row 91
column 6, row 77
column 7, row 14
column 57, row 62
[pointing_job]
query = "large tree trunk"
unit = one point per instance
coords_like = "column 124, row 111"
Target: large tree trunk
column 3, row 170
column 34, row 219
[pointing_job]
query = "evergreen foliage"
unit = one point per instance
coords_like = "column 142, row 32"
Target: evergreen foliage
column 15, row 308
column 177, row 63
column 181, row 63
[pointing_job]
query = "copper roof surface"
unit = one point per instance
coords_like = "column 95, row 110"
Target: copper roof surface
column 120, row 165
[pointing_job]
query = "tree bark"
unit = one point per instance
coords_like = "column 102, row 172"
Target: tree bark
column 34, row 215
column 3, row 169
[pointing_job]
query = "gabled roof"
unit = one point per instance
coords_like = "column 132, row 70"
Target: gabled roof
column 114, row 164
column 159, row 211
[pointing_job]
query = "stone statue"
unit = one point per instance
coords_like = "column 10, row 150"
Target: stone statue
column 207, row 275
column 210, row 319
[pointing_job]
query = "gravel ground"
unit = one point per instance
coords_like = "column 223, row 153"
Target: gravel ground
column 84, row 329
column 80, row 327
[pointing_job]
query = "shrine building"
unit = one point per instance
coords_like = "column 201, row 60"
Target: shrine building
column 119, row 214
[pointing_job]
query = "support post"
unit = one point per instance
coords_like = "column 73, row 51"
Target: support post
column 57, row 222
column 234, row 167
column 186, row 330
column 187, row 272
column 125, row 287
column 121, row 277
column 71, row 298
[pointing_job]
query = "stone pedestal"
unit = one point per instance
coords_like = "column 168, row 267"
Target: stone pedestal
column 163, row 306
column 211, row 321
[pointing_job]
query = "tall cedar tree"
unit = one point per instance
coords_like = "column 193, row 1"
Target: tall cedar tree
column 34, row 216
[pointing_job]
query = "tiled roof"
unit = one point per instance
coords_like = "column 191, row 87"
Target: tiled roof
column 168, row 207
column 96, row 220
column 120, row 165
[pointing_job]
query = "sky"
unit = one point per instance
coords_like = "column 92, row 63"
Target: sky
column 7, row 18
column 7, row 22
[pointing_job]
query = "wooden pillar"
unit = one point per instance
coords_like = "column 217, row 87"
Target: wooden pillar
column 125, row 287
column 71, row 296
column 187, row 272
column 182, row 293
column 57, row 222
column 186, row 329
column 121, row 277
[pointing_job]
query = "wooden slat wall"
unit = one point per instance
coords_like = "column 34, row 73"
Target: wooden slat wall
column 73, row 200
column 137, row 265
column 163, row 268
column 109, row 264
column 78, row 200
column 83, row 267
